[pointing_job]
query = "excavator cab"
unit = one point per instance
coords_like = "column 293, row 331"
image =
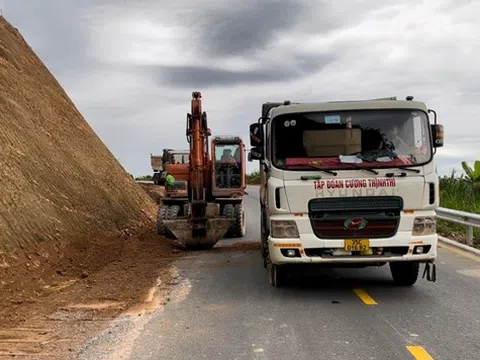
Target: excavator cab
column 228, row 181
column 228, row 165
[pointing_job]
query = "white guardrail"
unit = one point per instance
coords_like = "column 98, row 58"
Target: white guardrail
column 470, row 220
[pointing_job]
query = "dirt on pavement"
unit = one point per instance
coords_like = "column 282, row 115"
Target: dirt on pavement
column 52, row 312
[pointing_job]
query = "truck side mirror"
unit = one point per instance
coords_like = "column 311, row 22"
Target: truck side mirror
column 256, row 134
column 438, row 135
column 256, row 153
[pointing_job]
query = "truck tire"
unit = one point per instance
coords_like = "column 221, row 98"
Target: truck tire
column 278, row 275
column 172, row 213
column 161, row 217
column 229, row 212
column 239, row 221
column 404, row 273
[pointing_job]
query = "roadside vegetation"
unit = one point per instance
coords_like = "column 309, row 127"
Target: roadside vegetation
column 253, row 178
column 460, row 192
column 144, row 178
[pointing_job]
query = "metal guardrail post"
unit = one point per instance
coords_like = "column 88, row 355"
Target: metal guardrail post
column 469, row 235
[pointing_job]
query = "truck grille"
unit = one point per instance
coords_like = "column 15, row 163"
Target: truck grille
column 358, row 217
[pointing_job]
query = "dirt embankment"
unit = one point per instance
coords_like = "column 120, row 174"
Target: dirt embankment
column 75, row 229
column 57, row 179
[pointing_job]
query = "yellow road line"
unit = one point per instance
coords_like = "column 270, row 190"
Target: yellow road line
column 419, row 353
column 367, row 299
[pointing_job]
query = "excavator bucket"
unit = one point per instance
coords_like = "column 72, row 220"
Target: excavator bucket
column 182, row 230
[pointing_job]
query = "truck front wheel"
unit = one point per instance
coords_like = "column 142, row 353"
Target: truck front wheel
column 278, row 275
column 405, row 273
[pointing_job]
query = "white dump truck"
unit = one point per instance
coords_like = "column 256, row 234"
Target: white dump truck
column 348, row 184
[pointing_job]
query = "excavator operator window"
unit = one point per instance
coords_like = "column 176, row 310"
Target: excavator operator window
column 228, row 166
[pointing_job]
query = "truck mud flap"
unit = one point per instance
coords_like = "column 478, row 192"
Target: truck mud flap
column 430, row 272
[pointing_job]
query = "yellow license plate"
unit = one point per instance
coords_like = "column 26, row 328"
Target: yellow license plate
column 357, row 245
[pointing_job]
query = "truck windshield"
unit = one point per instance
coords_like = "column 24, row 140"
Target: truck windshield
column 337, row 140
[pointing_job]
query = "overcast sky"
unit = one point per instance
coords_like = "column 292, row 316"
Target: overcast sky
column 130, row 66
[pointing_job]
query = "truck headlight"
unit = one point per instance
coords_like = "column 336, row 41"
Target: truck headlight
column 424, row 226
column 284, row 229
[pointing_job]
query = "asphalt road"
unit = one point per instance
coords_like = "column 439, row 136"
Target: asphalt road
column 226, row 309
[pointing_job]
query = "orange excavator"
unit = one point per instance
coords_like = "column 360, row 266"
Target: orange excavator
column 198, row 212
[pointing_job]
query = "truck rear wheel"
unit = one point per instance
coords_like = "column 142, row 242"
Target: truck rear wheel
column 155, row 178
column 405, row 273
column 161, row 217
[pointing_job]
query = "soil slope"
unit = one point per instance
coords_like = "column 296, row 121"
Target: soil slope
column 57, row 179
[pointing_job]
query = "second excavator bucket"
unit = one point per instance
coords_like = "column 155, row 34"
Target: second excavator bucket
column 182, row 230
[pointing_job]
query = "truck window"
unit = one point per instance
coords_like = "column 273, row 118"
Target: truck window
column 375, row 138
column 181, row 158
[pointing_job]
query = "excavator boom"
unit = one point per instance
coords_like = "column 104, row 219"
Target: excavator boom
column 202, row 225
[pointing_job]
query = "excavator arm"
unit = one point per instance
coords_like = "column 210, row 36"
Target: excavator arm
column 201, row 226
column 197, row 137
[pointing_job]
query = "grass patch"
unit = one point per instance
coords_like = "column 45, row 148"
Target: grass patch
column 457, row 193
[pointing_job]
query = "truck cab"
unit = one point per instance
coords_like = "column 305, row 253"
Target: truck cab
column 348, row 183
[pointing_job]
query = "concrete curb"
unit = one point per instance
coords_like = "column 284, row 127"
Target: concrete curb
column 458, row 245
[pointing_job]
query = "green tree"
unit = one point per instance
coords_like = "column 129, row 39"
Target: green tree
column 472, row 174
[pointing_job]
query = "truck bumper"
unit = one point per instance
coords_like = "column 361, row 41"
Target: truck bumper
column 310, row 249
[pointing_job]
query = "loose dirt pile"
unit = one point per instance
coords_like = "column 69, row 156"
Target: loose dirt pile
column 154, row 191
column 57, row 178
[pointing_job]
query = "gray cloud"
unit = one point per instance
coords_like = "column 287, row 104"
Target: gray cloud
column 205, row 77
column 246, row 27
